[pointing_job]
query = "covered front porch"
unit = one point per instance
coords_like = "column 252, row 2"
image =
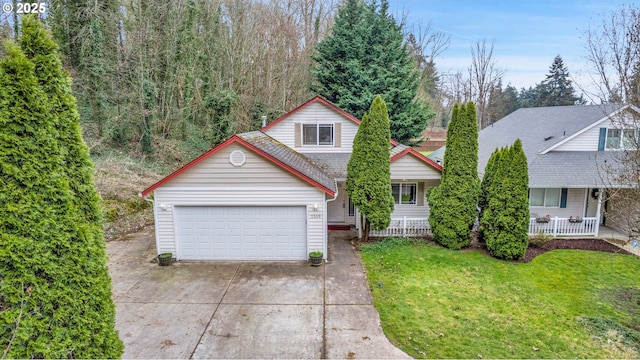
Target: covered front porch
column 566, row 212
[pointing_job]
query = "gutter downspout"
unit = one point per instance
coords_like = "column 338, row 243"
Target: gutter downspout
column 326, row 225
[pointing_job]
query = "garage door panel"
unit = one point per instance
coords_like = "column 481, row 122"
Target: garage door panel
column 241, row 233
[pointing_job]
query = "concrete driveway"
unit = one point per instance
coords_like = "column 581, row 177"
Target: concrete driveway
column 244, row 309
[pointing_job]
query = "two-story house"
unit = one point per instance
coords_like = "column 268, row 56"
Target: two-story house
column 570, row 151
column 272, row 194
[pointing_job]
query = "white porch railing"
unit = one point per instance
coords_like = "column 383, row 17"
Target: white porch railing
column 563, row 227
column 404, row 227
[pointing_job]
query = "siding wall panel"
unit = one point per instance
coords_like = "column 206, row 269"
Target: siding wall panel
column 216, row 170
column 408, row 167
column 315, row 113
column 587, row 141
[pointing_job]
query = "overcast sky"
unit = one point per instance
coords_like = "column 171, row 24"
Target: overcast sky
column 527, row 34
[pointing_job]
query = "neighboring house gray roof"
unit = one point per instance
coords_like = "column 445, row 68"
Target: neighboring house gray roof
column 541, row 128
column 289, row 157
column 333, row 163
column 538, row 128
column 571, row 169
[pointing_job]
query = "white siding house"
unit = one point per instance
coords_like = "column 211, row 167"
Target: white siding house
column 271, row 194
column 566, row 149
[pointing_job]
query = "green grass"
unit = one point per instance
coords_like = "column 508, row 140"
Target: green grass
column 439, row 303
column 426, row 153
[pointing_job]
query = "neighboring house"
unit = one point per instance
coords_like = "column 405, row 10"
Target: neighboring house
column 435, row 138
column 271, row 194
column 567, row 148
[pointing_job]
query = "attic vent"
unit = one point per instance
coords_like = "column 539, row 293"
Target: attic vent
column 548, row 138
column 237, row 158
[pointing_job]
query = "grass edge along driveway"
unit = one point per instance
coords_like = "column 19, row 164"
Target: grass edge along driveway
column 439, row 303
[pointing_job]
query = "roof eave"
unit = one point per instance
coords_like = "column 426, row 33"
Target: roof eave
column 587, row 128
column 237, row 139
column 417, row 155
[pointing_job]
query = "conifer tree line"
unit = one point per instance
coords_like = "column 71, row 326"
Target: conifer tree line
column 150, row 75
column 190, row 73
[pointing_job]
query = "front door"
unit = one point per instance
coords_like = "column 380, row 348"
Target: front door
column 337, row 209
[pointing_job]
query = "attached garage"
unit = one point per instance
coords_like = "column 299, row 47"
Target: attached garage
column 250, row 198
column 241, row 232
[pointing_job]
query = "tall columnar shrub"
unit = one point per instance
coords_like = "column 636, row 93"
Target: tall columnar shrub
column 489, row 173
column 55, row 291
column 368, row 171
column 453, row 202
column 505, row 220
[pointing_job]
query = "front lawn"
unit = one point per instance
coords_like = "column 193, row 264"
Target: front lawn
column 440, row 303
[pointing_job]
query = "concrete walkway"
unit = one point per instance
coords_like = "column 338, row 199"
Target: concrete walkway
column 244, row 309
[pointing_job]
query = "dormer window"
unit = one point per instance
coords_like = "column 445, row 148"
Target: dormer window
column 317, row 134
column 622, row 139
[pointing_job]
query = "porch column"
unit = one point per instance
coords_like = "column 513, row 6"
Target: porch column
column 597, row 228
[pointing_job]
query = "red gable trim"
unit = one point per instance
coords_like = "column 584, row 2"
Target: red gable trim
column 316, row 99
column 231, row 140
column 329, row 104
column 415, row 153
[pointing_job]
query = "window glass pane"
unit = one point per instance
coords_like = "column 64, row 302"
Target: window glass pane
column 552, row 198
column 613, row 138
column 352, row 208
column 629, row 139
column 409, row 193
column 395, row 191
column 310, row 134
column 536, row 197
column 325, row 132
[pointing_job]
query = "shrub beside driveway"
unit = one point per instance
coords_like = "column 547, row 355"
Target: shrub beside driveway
column 440, row 303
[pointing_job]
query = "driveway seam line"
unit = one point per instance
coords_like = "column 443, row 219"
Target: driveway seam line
column 215, row 311
column 323, row 355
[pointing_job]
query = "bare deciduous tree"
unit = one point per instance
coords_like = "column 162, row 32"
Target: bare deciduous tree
column 483, row 76
column 613, row 50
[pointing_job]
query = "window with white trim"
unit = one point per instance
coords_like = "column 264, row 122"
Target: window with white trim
column 405, row 193
column 352, row 209
column 545, row 197
column 622, row 139
column 317, row 134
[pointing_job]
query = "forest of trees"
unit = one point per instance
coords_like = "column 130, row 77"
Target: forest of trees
column 179, row 76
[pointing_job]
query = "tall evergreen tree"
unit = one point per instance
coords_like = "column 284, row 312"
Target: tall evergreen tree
column 453, row 202
column 505, row 217
column 55, row 286
column 368, row 171
column 501, row 102
column 556, row 89
column 365, row 55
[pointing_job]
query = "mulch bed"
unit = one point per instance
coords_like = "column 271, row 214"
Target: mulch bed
column 555, row 244
column 533, row 250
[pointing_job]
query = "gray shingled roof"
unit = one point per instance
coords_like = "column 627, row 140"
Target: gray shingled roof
column 398, row 149
column 533, row 125
column 570, row 169
column 289, row 157
column 336, row 163
column 333, row 163
column 541, row 128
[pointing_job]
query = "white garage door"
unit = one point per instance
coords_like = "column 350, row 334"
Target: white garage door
column 242, row 233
